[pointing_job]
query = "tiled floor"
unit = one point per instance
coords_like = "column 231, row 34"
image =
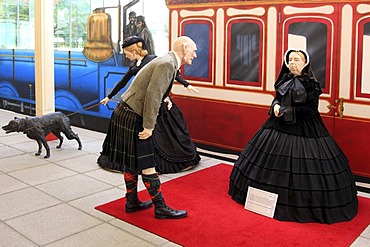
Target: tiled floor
column 50, row 202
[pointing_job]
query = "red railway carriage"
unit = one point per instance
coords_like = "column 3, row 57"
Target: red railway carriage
column 240, row 50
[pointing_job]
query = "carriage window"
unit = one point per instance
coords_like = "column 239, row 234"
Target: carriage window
column 244, row 52
column 365, row 75
column 201, row 34
column 311, row 36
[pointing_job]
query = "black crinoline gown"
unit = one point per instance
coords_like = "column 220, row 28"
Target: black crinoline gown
column 296, row 158
column 174, row 149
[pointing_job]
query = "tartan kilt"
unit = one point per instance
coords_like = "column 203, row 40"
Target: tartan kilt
column 122, row 146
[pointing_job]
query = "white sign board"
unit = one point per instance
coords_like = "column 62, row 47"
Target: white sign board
column 261, row 202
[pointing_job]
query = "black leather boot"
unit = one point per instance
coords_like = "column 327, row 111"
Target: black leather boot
column 162, row 211
column 133, row 203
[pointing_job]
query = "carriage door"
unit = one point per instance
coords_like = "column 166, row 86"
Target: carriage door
column 352, row 119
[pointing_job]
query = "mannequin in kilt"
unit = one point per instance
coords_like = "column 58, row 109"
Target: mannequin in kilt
column 132, row 124
column 174, row 150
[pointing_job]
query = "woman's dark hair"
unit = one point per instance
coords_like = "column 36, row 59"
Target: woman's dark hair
column 141, row 19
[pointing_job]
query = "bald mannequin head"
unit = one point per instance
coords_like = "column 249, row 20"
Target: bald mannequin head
column 185, row 48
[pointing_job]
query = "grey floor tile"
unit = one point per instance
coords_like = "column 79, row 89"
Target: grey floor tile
column 73, row 187
column 42, row 174
column 17, row 138
column 8, row 184
column 65, row 152
column 109, row 177
column 85, row 139
column 89, row 133
column 361, row 242
column 24, row 201
column 150, row 237
column 88, row 203
column 366, row 233
column 22, row 161
column 52, row 224
column 170, row 244
column 103, row 235
column 81, row 164
column 93, row 147
column 6, row 151
column 9, row 237
column 30, row 148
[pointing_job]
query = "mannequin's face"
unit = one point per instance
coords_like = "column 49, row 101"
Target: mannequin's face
column 130, row 54
column 189, row 53
column 296, row 63
column 139, row 25
column 132, row 19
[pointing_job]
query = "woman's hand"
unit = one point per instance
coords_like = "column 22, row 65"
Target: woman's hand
column 169, row 103
column 104, row 101
column 277, row 110
column 192, row 89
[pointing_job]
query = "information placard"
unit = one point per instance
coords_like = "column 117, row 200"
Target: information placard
column 261, row 202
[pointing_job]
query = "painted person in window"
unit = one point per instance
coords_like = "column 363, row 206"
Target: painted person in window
column 130, row 28
column 174, row 149
column 144, row 32
column 129, row 145
column 294, row 156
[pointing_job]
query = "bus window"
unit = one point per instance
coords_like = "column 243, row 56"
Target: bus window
column 244, row 53
column 311, row 36
column 200, row 68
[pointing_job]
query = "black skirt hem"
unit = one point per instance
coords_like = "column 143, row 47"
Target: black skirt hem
column 165, row 166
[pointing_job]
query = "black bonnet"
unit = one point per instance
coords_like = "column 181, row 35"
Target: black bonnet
column 132, row 40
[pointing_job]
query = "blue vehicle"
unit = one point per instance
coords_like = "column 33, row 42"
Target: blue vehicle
column 80, row 84
column 81, row 81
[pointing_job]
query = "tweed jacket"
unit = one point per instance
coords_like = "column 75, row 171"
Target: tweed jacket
column 150, row 86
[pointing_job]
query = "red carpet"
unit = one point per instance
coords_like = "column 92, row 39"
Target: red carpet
column 214, row 219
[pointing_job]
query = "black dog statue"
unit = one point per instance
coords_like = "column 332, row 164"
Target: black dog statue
column 37, row 128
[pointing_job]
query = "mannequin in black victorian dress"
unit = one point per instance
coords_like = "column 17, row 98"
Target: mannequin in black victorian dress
column 174, row 149
column 294, row 156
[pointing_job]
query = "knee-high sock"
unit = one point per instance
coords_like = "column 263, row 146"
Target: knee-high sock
column 153, row 185
column 131, row 178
